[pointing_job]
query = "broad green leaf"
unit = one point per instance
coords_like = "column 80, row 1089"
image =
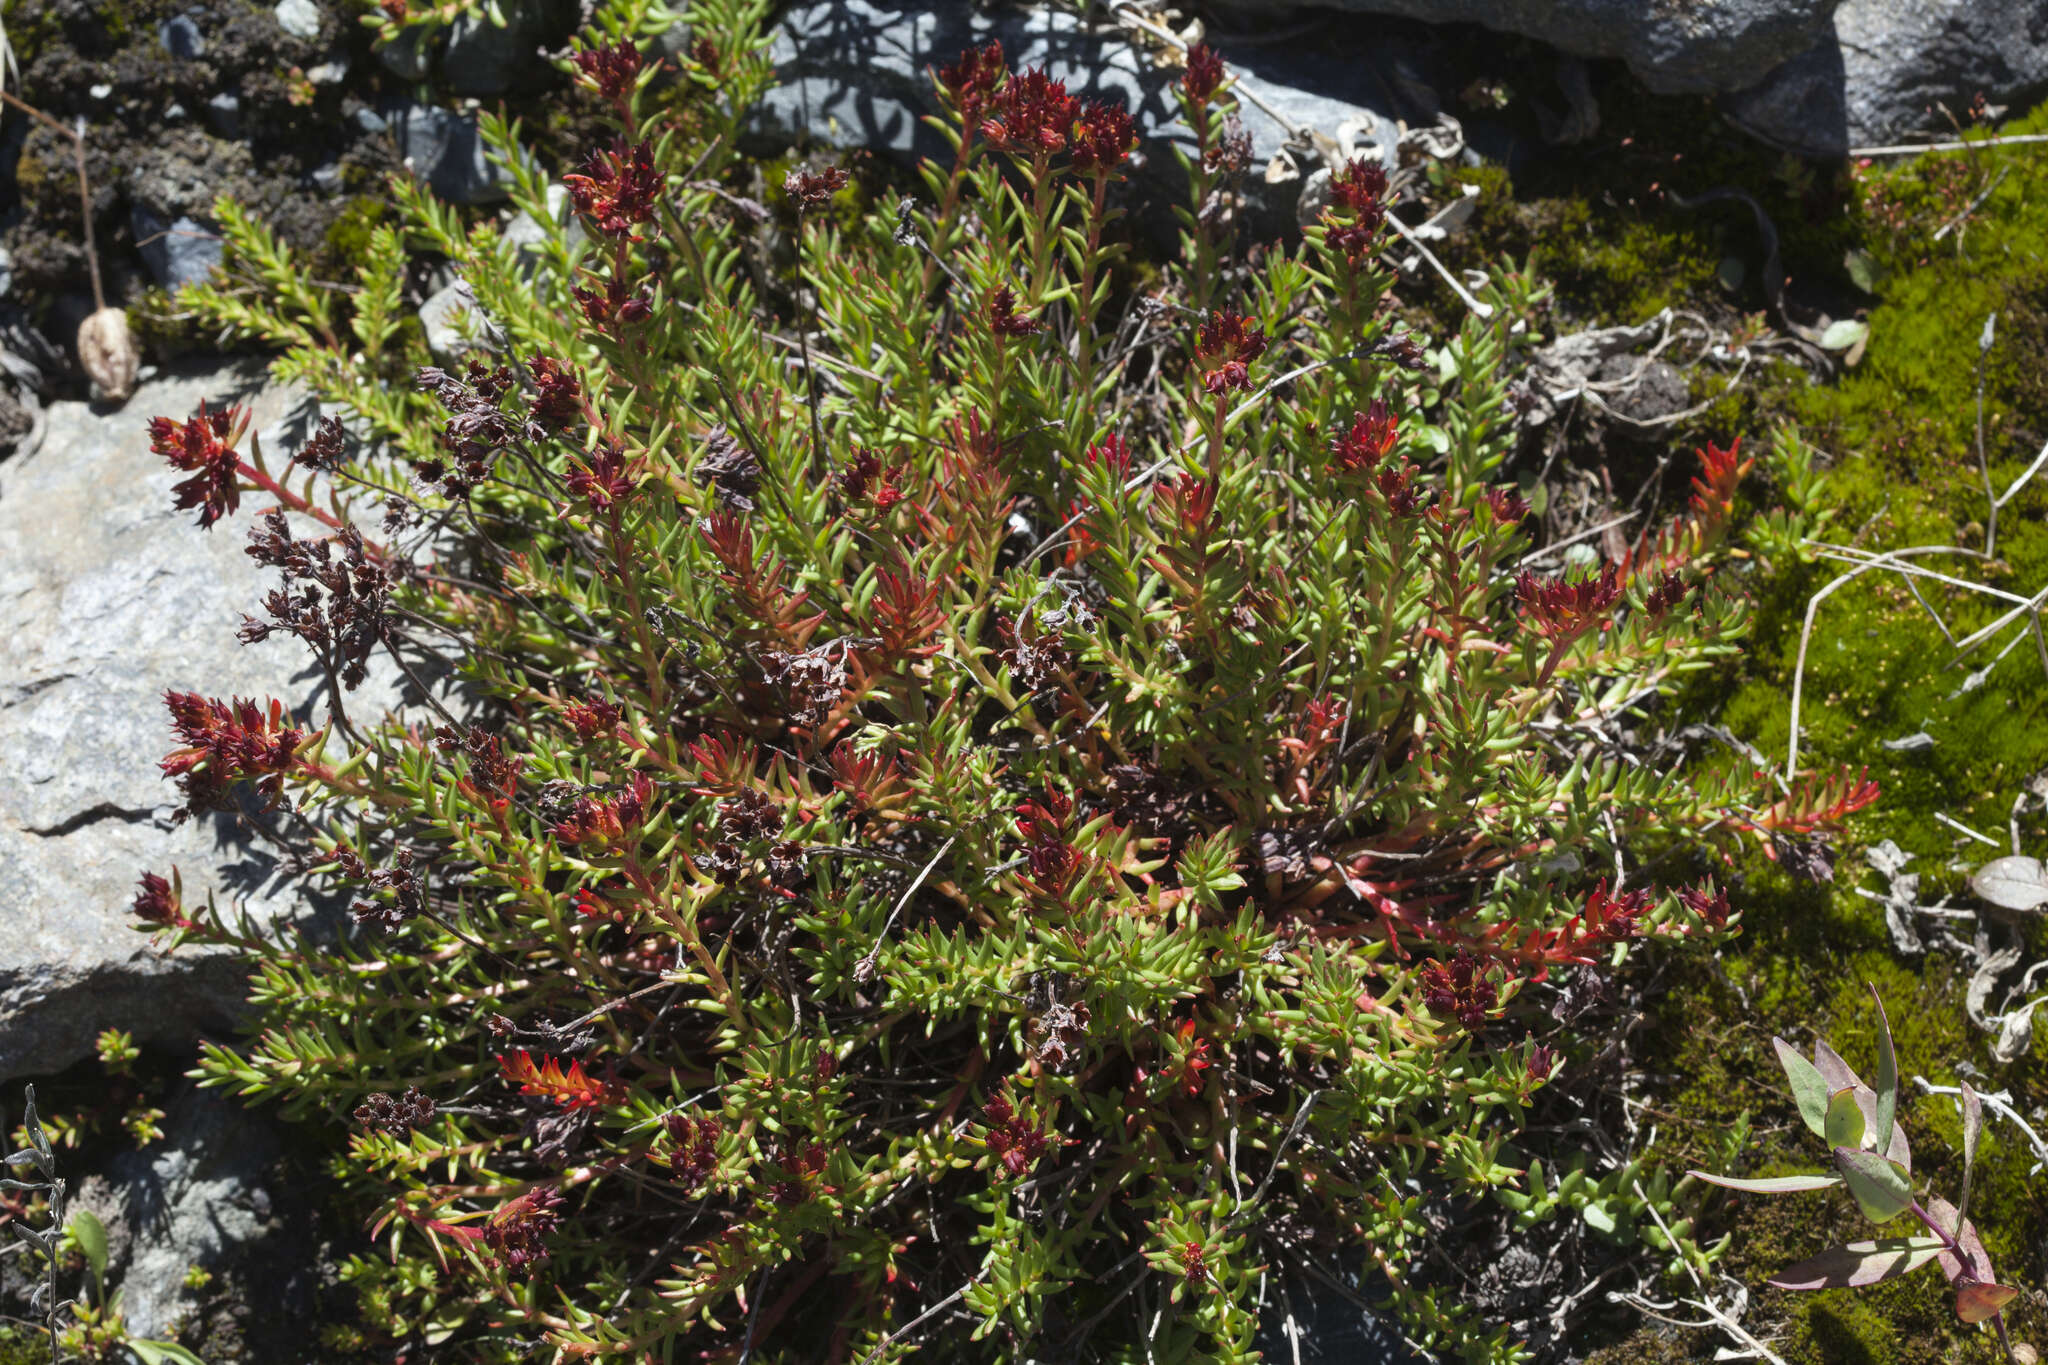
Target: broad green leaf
column 1887, row 1079
column 1598, row 1217
column 1773, row 1184
column 91, row 1236
column 1881, row 1189
column 158, row 1352
column 1855, row 1264
column 1976, row 1302
column 1808, row 1088
column 1843, row 333
column 1845, row 1120
column 1863, row 269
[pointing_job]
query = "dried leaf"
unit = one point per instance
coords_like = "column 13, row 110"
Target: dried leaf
column 1976, row 1302
column 1973, row 1128
column 1775, row 1184
column 2015, row 883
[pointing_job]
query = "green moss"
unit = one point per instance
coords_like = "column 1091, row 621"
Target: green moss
column 347, row 243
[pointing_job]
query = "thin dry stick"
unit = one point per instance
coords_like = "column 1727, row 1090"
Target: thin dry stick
column 1984, row 340
column 77, row 136
column 1976, row 144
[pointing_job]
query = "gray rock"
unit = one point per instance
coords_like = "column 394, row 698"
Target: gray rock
column 370, row 121
column 331, row 72
column 1673, row 46
column 179, row 252
column 206, row 1194
column 446, row 150
column 327, row 178
column 525, row 235
column 484, row 59
column 1877, row 72
column 410, row 56
column 451, row 325
column 224, row 114
column 181, row 37
column 853, row 73
column 6, row 272
column 108, row 597
column 300, row 18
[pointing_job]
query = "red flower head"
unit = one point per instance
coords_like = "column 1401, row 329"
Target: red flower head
column 605, row 480
column 813, row 190
column 519, row 1230
column 591, row 718
column 968, row 82
column 225, row 743
column 1204, row 75
column 693, row 1149
column 1542, row 1061
column 1709, row 904
column 611, row 71
column 607, row 821
column 1564, row 608
column 1196, row 1061
column 1460, row 990
column 1102, row 138
column 617, row 189
column 1225, row 346
column 571, row 1089
column 1368, row 440
column 1611, row 917
column 1011, row 1139
column 1004, row 320
column 865, row 475
column 615, row 303
column 160, row 904
column 1506, row 504
column 1357, row 209
column 1113, row 455
column 558, row 395
column 1031, row 116
column 1194, row 1263
column 203, row 447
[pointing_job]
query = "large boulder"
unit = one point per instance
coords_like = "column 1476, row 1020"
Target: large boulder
column 1878, row 71
column 107, row 598
column 853, row 73
column 1675, row 47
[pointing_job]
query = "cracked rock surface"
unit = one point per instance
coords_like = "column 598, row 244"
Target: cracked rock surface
column 108, row 597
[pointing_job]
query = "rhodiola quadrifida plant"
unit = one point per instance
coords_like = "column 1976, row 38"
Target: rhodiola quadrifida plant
column 960, row 797
column 1872, row 1159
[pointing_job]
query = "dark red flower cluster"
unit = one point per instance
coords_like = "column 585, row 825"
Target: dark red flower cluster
column 203, row 447
column 1194, row 1263
column 1101, row 139
column 1351, row 224
column 493, row 774
column 558, row 395
column 1004, row 320
column 1055, row 864
column 1204, row 75
column 1670, row 591
column 615, row 303
column 608, row 820
column 1563, row 609
column 591, row 718
column 518, row 1230
column 803, row 1167
column 611, row 71
column 1368, row 440
column 1190, row 502
column 865, row 475
column 403, row 880
column 813, row 189
column 396, row 1116
column 160, row 903
column 1225, row 346
column 339, row 604
column 1542, row 1061
column 604, row 480
column 970, row 80
column 693, row 1149
column 1461, row 989
column 1031, row 116
column 1506, row 504
column 1610, row 917
column 226, row 742
column 476, row 429
column 1011, row 1140
column 1112, row 454
column 617, row 190
column 873, row 780
column 1708, row 902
